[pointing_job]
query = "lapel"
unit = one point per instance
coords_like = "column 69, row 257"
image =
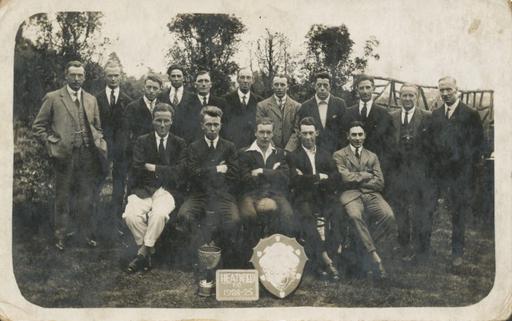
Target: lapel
column 331, row 110
column 102, row 100
column 456, row 113
column 397, row 123
column 144, row 108
column 154, row 147
column 88, row 106
column 68, row 103
column 316, row 112
column 365, row 158
column 415, row 121
column 274, row 106
column 308, row 169
column 352, row 157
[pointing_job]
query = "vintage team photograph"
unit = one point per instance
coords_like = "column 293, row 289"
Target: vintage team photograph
column 330, row 155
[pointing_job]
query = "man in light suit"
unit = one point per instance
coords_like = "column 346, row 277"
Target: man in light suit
column 282, row 109
column 68, row 123
column 240, row 112
column 457, row 148
column 112, row 102
column 157, row 170
column 362, row 199
column 327, row 110
column 176, row 95
column 410, row 180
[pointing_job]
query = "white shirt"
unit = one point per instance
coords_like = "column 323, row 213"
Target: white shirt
column 208, row 142
column 322, row 108
column 354, row 149
column 74, row 94
column 451, row 108
column 311, row 156
column 149, row 104
column 283, row 101
column 158, row 140
column 369, row 105
column 247, row 96
column 410, row 113
column 173, row 92
column 265, row 155
column 201, row 98
column 108, row 91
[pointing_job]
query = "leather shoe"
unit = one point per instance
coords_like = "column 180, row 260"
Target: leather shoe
column 60, row 245
column 139, row 263
column 91, row 243
column 379, row 272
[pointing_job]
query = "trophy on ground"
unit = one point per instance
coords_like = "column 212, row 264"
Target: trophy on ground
column 209, row 256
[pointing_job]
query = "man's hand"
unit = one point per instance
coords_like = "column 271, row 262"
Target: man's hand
column 276, row 165
column 323, row 176
column 150, row 167
column 257, row 171
column 299, row 172
column 222, row 169
column 366, row 176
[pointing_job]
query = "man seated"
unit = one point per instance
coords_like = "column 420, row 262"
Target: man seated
column 314, row 179
column 264, row 175
column 363, row 181
column 156, row 171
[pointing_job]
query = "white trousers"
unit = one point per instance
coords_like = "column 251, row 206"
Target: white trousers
column 146, row 217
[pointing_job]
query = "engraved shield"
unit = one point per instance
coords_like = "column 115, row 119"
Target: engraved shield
column 280, row 262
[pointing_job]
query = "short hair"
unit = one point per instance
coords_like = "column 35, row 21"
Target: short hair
column 175, row 67
column 308, row 121
column 163, row 107
column 280, row 76
column 409, row 85
column 322, row 75
column 355, row 123
column 211, row 111
column 448, row 78
column 112, row 64
column 264, row 121
column 153, row 77
column 73, row 63
column 242, row 69
column 202, row 72
column 362, row 77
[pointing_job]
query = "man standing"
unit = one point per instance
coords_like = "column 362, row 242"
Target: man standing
column 187, row 122
column 112, row 104
column 240, row 112
column 157, row 168
column 314, row 181
column 457, row 143
column 282, row 110
column 410, row 181
column 327, row 110
column 362, row 199
column 176, row 96
column 68, row 123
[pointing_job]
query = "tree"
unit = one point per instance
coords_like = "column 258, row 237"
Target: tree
column 206, row 41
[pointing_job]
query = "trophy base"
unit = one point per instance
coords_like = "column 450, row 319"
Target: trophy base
column 206, row 288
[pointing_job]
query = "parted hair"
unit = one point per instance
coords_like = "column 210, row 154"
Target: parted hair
column 154, row 78
column 355, row 123
column 175, row 67
column 211, row 111
column 73, row 63
column 308, row 121
column 362, row 77
column 163, row 107
column 264, row 121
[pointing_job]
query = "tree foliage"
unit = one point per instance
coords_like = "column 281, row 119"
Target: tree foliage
column 206, row 41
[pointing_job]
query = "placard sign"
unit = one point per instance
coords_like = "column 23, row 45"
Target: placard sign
column 237, row 285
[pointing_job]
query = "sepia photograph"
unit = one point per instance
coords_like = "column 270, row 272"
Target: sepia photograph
column 237, row 160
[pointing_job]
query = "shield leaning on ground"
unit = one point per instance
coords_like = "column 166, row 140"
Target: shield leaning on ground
column 280, row 263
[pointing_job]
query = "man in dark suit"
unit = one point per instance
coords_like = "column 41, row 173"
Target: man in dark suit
column 68, row 123
column 112, row 104
column 327, row 110
column 410, row 181
column 363, row 183
column 240, row 112
column 187, row 122
column 457, row 145
column 212, row 171
column 375, row 118
column 314, row 180
column 176, row 95
column 157, row 168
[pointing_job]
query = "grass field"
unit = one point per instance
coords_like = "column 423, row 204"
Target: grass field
column 83, row 277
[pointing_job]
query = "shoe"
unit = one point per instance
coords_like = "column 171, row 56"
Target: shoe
column 139, row 263
column 333, row 272
column 91, row 243
column 379, row 272
column 60, row 245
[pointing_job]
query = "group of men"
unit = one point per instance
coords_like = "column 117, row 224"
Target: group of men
column 241, row 167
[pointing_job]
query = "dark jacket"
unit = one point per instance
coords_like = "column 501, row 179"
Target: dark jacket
column 138, row 121
column 239, row 121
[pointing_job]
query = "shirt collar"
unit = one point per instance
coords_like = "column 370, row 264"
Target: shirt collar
column 158, row 137
column 454, row 106
column 318, row 100
column 72, row 92
column 201, row 98
column 354, row 149
column 284, row 98
column 369, row 105
column 410, row 111
column 173, row 90
column 148, row 102
column 254, row 147
column 108, row 90
column 313, row 151
column 241, row 94
column 215, row 141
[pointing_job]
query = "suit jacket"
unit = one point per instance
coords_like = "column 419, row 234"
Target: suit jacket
column 187, row 123
column 111, row 123
column 329, row 137
column 201, row 166
column 168, row 174
column 185, row 99
column 138, row 121
column 271, row 180
column 353, row 172
column 309, row 187
column 239, row 121
column 284, row 122
column 57, row 121
column 378, row 128
column 457, row 142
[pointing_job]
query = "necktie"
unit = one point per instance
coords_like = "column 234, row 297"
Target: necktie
column 112, row 98
column 211, row 147
column 175, row 101
column 161, row 151
column 204, row 101
column 363, row 112
column 447, row 112
column 77, row 101
column 244, row 102
column 406, row 118
column 358, row 154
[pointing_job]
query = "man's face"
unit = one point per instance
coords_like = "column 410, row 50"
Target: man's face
column 151, row 89
column 113, row 76
column 244, row 80
column 308, row 134
column 75, row 77
column 322, row 87
column 280, row 86
column 211, row 126
column 448, row 91
column 408, row 98
column 162, row 121
column 176, row 78
column 264, row 134
column 356, row 136
column 203, row 84
column 365, row 90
